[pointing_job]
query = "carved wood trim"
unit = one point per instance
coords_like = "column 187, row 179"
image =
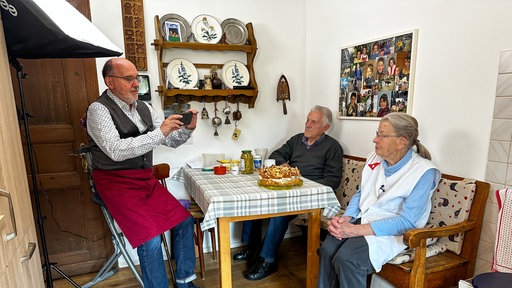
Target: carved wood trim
column 134, row 33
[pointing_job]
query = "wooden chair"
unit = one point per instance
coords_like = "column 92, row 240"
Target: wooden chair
column 162, row 172
column 445, row 269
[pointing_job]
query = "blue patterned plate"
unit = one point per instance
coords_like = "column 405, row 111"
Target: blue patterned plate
column 234, row 73
column 182, row 74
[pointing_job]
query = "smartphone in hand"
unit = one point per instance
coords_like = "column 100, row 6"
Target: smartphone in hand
column 187, row 118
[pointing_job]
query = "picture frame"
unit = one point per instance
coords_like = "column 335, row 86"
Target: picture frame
column 377, row 77
column 144, row 88
column 172, row 31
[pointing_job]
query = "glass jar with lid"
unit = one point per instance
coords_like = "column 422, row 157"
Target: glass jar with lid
column 234, row 167
column 257, row 162
column 246, row 162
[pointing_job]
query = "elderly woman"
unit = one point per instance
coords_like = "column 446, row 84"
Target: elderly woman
column 396, row 186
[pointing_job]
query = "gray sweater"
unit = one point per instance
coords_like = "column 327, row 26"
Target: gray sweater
column 321, row 162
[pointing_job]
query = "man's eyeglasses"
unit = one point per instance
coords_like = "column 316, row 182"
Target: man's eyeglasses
column 382, row 136
column 128, row 79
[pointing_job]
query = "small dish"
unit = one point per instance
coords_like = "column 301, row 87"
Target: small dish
column 182, row 74
column 206, row 29
column 234, row 73
column 185, row 29
column 219, row 170
column 235, row 31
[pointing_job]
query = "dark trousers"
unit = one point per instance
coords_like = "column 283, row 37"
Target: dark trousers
column 274, row 235
column 344, row 263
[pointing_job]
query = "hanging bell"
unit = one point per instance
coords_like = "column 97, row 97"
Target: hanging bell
column 204, row 114
column 216, row 133
column 237, row 115
column 227, row 120
column 226, row 110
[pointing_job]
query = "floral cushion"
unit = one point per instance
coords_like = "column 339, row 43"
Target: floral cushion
column 408, row 254
column 351, row 178
column 451, row 203
column 350, row 181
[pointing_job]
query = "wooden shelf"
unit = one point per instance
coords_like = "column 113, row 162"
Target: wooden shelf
column 170, row 96
column 184, row 95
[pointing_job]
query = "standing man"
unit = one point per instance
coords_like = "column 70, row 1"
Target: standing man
column 319, row 158
column 123, row 132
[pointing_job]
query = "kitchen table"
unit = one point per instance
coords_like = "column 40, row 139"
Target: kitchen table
column 232, row 198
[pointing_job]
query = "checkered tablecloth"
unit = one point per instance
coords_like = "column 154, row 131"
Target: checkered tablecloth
column 239, row 195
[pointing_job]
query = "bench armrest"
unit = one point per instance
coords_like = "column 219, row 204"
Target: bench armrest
column 414, row 237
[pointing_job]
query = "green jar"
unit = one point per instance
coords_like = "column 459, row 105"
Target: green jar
column 246, row 162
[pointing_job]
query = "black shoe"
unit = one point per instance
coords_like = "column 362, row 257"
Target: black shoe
column 261, row 270
column 243, row 254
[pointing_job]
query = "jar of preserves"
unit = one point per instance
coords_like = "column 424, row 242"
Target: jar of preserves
column 246, row 162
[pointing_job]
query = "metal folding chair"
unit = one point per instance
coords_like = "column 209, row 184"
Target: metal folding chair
column 118, row 239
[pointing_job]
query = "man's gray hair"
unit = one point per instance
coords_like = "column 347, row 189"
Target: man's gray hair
column 327, row 119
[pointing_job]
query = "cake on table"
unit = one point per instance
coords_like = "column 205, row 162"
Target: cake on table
column 279, row 177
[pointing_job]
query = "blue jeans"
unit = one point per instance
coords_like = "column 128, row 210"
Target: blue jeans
column 274, row 235
column 152, row 260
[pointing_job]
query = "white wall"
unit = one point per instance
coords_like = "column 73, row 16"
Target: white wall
column 279, row 28
column 457, row 64
column 456, row 69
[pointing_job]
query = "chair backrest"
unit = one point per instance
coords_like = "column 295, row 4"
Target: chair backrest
column 161, row 172
column 85, row 154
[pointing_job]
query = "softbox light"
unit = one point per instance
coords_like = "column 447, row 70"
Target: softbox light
column 37, row 29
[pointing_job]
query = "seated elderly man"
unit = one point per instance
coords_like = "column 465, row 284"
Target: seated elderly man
column 318, row 157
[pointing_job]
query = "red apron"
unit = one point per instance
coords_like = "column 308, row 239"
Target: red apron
column 142, row 207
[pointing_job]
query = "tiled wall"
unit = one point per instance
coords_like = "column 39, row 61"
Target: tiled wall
column 499, row 163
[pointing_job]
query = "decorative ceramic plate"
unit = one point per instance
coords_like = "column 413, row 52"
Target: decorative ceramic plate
column 182, row 74
column 234, row 73
column 281, row 187
column 184, row 26
column 235, row 31
column 206, row 29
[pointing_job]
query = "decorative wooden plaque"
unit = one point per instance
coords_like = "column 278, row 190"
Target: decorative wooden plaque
column 134, row 35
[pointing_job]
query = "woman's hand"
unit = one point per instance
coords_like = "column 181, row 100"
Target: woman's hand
column 340, row 227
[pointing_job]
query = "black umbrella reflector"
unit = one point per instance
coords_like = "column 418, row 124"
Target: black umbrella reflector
column 36, row 29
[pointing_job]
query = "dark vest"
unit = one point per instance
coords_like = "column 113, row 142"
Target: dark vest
column 126, row 129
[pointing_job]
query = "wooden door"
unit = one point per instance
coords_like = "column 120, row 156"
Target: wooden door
column 56, row 93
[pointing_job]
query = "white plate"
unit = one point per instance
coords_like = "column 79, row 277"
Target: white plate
column 182, row 74
column 206, row 29
column 234, row 73
column 235, row 30
column 185, row 29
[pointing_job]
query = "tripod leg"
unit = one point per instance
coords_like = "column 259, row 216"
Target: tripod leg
column 50, row 281
column 64, row 275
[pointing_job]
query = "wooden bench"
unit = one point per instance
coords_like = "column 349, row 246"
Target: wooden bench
column 458, row 206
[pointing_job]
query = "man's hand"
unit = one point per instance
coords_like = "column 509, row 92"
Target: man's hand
column 193, row 123
column 173, row 123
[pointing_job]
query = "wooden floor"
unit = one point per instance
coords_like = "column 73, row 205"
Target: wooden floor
column 291, row 273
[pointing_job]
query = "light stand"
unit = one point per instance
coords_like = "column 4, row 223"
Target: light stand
column 47, row 266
